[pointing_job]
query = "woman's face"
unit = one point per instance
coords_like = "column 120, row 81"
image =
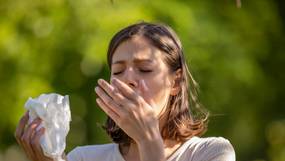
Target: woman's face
column 137, row 60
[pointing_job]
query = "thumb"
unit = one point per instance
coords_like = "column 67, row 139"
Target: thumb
column 145, row 93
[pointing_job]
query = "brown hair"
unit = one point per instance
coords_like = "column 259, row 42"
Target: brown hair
column 185, row 116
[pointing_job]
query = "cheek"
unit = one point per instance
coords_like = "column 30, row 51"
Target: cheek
column 159, row 92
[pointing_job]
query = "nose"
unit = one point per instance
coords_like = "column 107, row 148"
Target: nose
column 130, row 78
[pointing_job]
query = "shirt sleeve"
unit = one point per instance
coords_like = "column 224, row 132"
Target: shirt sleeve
column 216, row 149
column 74, row 155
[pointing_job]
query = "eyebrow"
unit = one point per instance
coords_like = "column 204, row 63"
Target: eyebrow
column 136, row 61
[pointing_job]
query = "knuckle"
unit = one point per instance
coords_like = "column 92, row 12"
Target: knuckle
column 115, row 95
column 23, row 139
column 34, row 143
column 118, row 98
column 109, row 102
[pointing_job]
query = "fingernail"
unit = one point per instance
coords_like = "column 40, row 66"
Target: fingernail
column 99, row 81
column 114, row 81
column 96, row 89
column 98, row 100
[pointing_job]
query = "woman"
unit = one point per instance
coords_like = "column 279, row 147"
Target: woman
column 150, row 102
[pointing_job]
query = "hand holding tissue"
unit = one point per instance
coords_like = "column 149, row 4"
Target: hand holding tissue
column 54, row 111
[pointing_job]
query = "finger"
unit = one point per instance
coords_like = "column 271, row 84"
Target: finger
column 108, row 101
column 111, row 91
column 38, row 123
column 36, row 143
column 126, row 90
column 21, row 127
column 32, row 127
column 27, row 136
column 19, row 134
column 108, row 110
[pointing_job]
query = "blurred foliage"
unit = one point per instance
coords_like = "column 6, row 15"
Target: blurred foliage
column 236, row 55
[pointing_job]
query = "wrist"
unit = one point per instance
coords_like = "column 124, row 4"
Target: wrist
column 151, row 149
column 149, row 137
column 151, row 140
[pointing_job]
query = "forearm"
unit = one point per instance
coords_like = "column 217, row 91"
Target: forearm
column 151, row 149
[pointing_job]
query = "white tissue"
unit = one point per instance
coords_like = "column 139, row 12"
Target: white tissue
column 54, row 111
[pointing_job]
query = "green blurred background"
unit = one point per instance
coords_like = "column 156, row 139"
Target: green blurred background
column 236, row 55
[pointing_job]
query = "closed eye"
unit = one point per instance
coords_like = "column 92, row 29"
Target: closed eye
column 141, row 70
column 116, row 73
column 145, row 71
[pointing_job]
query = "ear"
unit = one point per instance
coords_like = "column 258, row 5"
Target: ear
column 176, row 86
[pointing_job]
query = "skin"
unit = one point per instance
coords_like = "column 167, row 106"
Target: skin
column 141, row 83
column 29, row 138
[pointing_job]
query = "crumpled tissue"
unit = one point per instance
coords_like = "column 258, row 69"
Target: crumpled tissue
column 54, row 111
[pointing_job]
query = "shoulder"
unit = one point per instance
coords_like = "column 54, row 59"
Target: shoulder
column 212, row 148
column 86, row 153
column 213, row 143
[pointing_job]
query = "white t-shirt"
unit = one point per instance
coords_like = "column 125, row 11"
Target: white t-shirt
column 194, row 149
